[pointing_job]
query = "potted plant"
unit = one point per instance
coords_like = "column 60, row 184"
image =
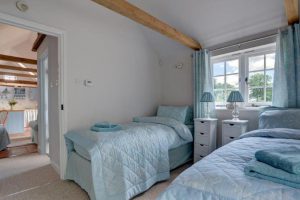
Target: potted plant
column 12, row 103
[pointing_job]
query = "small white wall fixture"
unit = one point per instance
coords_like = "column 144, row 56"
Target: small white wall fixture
column 61, row 35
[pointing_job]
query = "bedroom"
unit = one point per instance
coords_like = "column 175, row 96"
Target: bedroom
column 134, row 69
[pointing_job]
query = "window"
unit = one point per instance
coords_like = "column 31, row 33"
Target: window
column 260, row 78
column 226, row 78
column 250, row 71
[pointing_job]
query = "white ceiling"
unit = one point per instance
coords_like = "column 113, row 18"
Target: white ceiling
column 16, row 41
column 213, row 22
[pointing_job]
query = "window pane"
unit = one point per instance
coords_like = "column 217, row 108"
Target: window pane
column 270, row 61
column 269, row 93
column 232, row 67
column 232, row 82
column 256, row 79
column 269, row 78
column 218, row 69
column 219, row 96
column 256, row 95
column 256, row 63
column 219, row 82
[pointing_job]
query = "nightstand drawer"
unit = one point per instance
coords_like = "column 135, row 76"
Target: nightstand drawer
column 202, row 126
column 202, row 138
column 201, row 149
column 228, row 139
column 198, row 157
column 233, row 130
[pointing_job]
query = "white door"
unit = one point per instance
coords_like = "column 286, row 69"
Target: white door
column 43, row 119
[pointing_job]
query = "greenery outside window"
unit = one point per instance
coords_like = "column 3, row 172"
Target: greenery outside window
column 250, row 71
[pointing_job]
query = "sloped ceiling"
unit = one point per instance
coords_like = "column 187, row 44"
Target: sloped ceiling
column 16, row 41
column 213, row 22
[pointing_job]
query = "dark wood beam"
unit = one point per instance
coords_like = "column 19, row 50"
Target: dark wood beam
column 18, row 75
column 18, row 59
column 18, row 68
column 16, row 83
column 292, row 11
column 38, row 41
column 138, row 15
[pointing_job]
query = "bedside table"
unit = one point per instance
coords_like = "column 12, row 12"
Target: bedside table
column 232, row 129
column 205, row 139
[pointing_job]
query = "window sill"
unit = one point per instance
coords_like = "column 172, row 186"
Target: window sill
column 243, row 108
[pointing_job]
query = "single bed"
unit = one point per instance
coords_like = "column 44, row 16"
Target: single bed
column 122, row 164
column 220, row 175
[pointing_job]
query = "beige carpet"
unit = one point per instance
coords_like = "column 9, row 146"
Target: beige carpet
column 20, row 164
column 43, row 183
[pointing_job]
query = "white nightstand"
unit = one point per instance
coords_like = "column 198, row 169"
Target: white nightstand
column 205, row 139
column 232, row 129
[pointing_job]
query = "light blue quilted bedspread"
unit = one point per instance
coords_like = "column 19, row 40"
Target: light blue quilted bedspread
column 220, row 176
column 128, row 162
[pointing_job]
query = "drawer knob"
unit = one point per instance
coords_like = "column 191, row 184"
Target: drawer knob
column 231, row 124
column 201, row 156
column 201, row 133
column 202, row 122
column 202, row 145
column 231, row 137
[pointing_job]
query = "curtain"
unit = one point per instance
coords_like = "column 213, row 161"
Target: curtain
column 286, row 87
column 203, row 82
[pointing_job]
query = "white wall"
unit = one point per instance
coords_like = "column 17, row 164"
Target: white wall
column 106, row 48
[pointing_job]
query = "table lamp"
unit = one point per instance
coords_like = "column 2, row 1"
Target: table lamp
column 235, row 96
column 207, row 97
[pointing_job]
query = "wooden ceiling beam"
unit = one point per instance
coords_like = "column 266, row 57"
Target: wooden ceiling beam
column 18, row 75
column 18, row 59
column 138, row 15
column 18, row 68
column 18, row 85
column 292, row 11
column 15, row 83
column 38, row 41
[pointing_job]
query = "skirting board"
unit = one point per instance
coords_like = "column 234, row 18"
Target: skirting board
column 56, row 167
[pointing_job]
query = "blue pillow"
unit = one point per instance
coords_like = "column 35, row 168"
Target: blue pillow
column 183, row 114
column 280, row 119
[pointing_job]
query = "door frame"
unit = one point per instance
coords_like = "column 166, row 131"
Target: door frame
column 42, row 119
column 62, row 87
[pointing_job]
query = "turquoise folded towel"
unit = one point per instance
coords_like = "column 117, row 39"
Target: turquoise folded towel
column 287, row 159
column 264, row 171
column 105, row 127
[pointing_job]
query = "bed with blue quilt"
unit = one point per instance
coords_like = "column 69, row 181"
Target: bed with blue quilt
column 124, row 163
column 222, row 174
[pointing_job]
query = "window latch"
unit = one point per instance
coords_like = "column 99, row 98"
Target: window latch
column 246, row 80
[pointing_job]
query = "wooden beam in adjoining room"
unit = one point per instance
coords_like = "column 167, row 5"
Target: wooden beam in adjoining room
column 16, row 83
column 18, row 68
column 292, row 11
column 18, row 59
column 18, row 75
column 138, row 15
column 38, row 41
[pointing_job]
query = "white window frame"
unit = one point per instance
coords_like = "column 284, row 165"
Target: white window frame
column 243, row 57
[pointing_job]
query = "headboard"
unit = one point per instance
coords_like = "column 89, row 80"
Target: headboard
column 280, row 118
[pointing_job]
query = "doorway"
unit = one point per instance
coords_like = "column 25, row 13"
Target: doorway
column 60, row 162
column 45, row 132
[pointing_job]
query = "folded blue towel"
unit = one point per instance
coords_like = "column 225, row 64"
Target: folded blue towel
column 287, row 159
column 264, row 171
column 105, row 127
